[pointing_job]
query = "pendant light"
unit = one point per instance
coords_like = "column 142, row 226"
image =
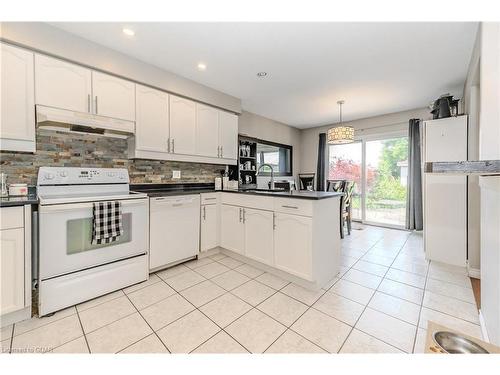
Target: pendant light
column 340, row 134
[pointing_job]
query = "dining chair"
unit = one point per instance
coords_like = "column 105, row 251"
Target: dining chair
column 346, row 208
column 336, row 186
column 306, row 181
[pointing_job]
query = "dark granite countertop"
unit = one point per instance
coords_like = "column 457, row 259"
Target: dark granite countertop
column 18, row 201
column 165, row 190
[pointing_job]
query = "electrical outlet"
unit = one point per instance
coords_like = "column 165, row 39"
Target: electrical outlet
column 176, row 174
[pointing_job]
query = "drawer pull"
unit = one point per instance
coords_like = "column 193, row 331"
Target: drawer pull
column 209, row 199
column 294, row 207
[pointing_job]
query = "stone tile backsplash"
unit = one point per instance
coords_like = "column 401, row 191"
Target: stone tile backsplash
column 62, row 149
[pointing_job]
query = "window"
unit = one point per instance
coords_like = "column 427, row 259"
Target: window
column 276, row 155
column 379, row 168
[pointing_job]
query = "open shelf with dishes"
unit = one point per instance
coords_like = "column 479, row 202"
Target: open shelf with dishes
column 247, row 162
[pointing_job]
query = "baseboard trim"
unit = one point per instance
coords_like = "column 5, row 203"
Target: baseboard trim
column 482, row 323
column 473, row 272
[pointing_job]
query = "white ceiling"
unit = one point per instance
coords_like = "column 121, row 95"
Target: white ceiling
column 376, row 68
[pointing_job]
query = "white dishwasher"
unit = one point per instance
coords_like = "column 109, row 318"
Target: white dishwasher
column 174, row 229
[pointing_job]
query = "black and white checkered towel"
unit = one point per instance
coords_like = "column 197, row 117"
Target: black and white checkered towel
column 107, row 222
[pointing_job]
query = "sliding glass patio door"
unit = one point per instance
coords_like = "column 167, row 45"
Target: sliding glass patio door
column 379, row 168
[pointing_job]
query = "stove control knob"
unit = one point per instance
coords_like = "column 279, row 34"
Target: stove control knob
column 122, row 176
column 49, row 176
column 63, row 174
column 111, row 174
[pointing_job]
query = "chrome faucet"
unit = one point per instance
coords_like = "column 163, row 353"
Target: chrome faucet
column 271, row 187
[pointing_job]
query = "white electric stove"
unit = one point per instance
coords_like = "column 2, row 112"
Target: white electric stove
column 71, row 269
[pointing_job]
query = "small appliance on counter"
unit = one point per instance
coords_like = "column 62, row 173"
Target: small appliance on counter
column 18, row 190
column 3, row 185
column 218, row 183
column 444, row 106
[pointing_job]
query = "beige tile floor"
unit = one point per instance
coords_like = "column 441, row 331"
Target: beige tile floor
column 380, row 302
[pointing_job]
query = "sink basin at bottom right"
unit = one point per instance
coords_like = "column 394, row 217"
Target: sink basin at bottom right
column 455, row 344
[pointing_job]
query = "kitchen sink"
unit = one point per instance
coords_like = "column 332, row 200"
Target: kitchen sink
column 455, row 344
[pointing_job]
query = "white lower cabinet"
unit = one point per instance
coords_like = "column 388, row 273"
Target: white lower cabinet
column 209, row 227
column 232, row 228
column 259, row 235
column 12, row 270
column 15, row 264
column 293, row 244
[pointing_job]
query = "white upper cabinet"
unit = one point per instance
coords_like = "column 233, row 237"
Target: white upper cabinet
column 113, row 97
column 182, row 126
column 207, row 131
column 62, row 85
column 17, row 107
column 152, row 120
column 228, row 135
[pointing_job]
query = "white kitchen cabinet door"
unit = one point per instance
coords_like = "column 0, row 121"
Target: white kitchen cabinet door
column 232, row 228
column 228, row 135
column 446, row 139
column 293, row 244
column 445, row 213
column 62, row 85
column 17, row 107
column 182, row 126
column 207, row 131
column 209, row 227
column 12, row 270
column 259, row 235
column 151, row 127
column 113, row 97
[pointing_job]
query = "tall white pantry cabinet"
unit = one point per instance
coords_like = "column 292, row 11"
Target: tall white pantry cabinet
column 445, row 196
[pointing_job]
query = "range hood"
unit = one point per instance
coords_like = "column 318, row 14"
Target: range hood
column 80, row 122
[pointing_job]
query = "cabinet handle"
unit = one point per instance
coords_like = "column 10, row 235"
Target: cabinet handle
column 176, row 204
column 173, row 145
column 168, row 145
column 210, row 199
column 240, row 215
column 88, row 103
column 221, row 152
column 294, row 207
column 204, row 213
column 274, row 221
column 244, row 216
column 96, row 107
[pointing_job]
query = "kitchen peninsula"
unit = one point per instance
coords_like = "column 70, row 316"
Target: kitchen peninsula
column 293, row 235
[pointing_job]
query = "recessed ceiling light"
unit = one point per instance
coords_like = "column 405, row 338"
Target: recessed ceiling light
column 202, row 67
column 128, row 32
column 261, row 74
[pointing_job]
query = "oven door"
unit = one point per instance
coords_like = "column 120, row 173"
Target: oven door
column 66, row 232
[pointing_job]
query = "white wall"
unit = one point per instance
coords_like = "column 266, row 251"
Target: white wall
column 260, row 127
column 389, row 123
column 489, row 149
column 53, row 41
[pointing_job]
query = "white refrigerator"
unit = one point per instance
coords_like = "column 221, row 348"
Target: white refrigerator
column 445, row 196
